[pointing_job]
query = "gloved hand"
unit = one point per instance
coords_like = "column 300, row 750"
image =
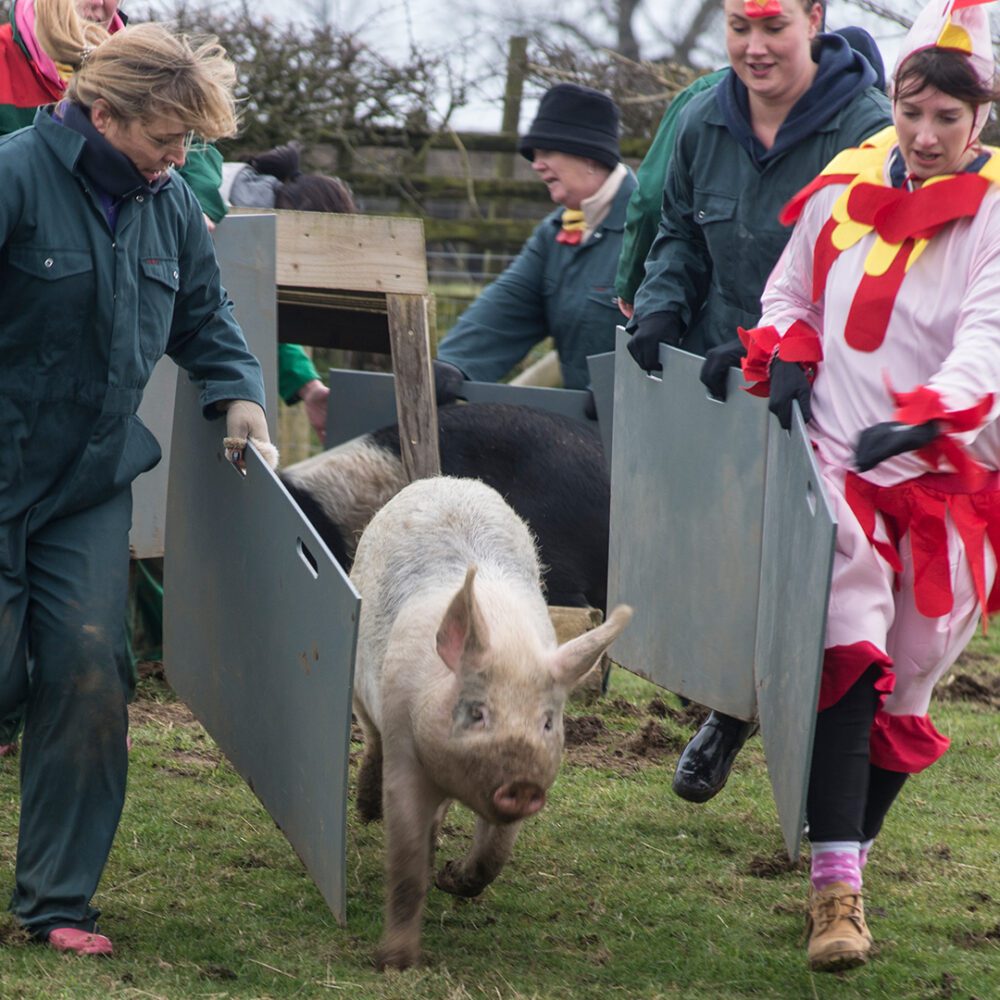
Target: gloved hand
column 245, row 419
column 714, row 372
column 882, row 441
column 448, row 381
column 651, row 331
column 789, row 382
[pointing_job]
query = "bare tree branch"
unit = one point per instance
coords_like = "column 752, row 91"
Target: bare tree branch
column 882, row 11
column 703, row 16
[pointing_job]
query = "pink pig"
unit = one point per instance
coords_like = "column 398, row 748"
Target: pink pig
column 459, row 687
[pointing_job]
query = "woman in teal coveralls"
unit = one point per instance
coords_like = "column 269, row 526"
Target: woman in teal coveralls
column 105, row 265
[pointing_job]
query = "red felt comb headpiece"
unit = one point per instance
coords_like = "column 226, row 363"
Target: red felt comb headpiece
column 762, row 8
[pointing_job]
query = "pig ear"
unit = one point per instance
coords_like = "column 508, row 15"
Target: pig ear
column 462, row 635
column 574, row 658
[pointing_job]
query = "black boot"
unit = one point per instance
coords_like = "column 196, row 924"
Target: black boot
column 708, row 758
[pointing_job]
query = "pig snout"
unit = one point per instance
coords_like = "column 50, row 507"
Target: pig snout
column 518, row 800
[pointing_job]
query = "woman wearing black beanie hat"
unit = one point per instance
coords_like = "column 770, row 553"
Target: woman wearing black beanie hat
column 561, row 283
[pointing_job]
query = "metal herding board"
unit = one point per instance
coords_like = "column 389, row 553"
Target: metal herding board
column 260, row 629
column 361, row 402
column 799, row 536
column 687, row 503
column 602, row 384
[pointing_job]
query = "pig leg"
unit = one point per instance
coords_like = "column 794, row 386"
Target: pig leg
column 369, row 797
column 491, row 848
column 439, row 816
column 410, row 805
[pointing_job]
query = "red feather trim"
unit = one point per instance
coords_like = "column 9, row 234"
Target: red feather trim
column 871, row 309
column 793, row 209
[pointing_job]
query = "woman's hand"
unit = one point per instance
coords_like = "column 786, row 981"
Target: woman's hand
column 245, row 421
column 789, row 382
column 882, row 441
column 714, row 374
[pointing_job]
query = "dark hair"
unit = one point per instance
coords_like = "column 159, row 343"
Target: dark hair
column 315, row 193
column 946, row 70
column 302, row 192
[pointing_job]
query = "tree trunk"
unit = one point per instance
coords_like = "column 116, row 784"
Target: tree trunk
column 703, row 15
column 627, row 44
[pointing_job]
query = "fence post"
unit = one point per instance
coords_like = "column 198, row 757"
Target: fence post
column 517, row 67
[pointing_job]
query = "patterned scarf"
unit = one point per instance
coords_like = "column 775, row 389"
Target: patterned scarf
column 573, row 227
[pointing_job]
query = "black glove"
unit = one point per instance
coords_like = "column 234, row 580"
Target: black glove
column 448, row 382
column 789, row 382
column 651, row 331
column 714, row 372
column 882, row 441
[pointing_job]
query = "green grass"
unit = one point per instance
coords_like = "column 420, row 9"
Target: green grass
column 618, row 889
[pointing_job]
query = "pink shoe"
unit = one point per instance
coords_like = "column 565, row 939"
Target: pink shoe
column 79, row 942
column 8, row 749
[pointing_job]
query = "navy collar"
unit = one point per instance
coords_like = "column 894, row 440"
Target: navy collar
column 111, row 170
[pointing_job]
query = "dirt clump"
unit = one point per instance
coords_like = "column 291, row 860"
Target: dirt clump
column 975, row 939
column 581, row 729
column 777, row 864
column 984, row 690
column 168, row 714
column 626, row 707
column 653, row 741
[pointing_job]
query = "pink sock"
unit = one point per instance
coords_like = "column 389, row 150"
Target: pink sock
column 836, row 861
column 866, row 846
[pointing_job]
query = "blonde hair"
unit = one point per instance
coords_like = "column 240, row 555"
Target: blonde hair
column 142, row 72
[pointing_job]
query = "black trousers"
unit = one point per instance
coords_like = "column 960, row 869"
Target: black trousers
column 849, row 797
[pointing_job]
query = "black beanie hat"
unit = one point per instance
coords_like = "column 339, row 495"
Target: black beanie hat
column 576, row 120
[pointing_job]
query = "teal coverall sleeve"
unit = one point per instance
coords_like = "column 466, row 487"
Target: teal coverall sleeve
column 205, row 338
column 507, row 319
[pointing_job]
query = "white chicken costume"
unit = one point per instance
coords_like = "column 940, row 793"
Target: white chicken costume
column 890, row 296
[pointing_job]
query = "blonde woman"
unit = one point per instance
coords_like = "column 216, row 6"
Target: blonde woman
column 106, row 265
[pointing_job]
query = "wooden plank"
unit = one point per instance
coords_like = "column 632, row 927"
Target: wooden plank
column 415, row 405
column 360, row 253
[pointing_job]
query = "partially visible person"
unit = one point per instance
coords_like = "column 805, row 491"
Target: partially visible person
column 561, row 284
column 645, row 207
column 274, row 180
column 890, row 286
column 642, row 215
column 105, row 265
column 30, row 78
column 792, row 98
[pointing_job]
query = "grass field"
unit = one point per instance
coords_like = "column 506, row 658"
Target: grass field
column 618, row 888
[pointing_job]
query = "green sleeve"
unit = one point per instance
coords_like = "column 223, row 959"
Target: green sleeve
column 205, row 338
column 295, row 368
column 678, row 267
column 12, row 118
column 203, row 171
column 642, row 216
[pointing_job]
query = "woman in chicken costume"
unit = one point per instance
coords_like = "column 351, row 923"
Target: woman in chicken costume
column 882, row 319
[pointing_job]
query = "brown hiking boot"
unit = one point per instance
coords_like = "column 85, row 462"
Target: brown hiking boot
column 838, row 935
